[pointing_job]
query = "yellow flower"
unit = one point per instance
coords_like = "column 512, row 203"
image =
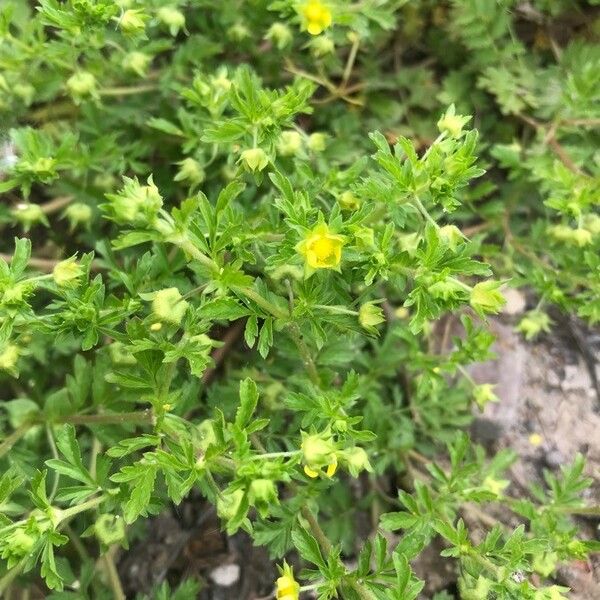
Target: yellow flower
column 321, row 249
column 318, row 452
column 67, row 272
column 287, row 587
column 317, row 17
column 329, row 471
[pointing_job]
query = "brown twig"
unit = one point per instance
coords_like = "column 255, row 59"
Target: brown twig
column 551, row 141
column 218, row 356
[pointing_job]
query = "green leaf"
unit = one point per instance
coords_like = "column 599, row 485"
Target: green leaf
column 398, row 520
column 248, row 402
column 131, row 445
column 141, row 478
column 307, row 546
column 229, row 193
column 21, row 256
column 265, row 340
column 251, row 331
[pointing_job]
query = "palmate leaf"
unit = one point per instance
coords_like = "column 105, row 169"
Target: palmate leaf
column 140, row 478
column 73, row 466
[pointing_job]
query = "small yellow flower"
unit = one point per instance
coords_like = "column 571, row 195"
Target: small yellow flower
column 329, row 471
column 321, row 249
column 318, row 452
column 67, row 272
column 317, row 17
column 535, row 439
column 287, row 587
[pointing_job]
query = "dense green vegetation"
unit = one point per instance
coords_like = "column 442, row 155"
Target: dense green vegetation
column 236, row 228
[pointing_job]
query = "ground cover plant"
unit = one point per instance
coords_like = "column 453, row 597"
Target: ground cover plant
column 231, row 234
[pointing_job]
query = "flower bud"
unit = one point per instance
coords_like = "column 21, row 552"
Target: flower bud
column 67, row 272
column 25, row 92
column 496, row 486
column 109, row 529
column 255, row 159
column 486, row 297
column 591, row 222
column 220, row 81
column 133, row 21
column 318, row 450
column 534, row 323
column 171, row 17
column 190, row 170
column 135, row 203
column 29, row 214
column 322, row 46
column 17, row 293
column 357, row 460
column 280, row 34
column 229, row 503
column 317, row 142
column 348, row 201
column 238, row 32
column 138, row 62
column 78, row 213
column 445, row 289
column 370, row 315
column 287, row 587
column 9, row 355
column 560, row 232
column 262, row 494
column 168, row 305
column 16, row 545
column 82, row 85
column 484, row 393
column 451, row 235
column 582, row 237
column 290, row 143
column 451, row 123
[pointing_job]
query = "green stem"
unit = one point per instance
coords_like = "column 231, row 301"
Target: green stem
column 54, row 451
column 316, row 530
column 326, row 547
column 188, row 247
column 11, row 575
column 70, row 512
column 309, row 363
column 463, row 285
column 275, row 455
column 262, row 302
column 138, row 417
column 128, row 91
column 113, row 575
column 336, row 309
column 424, row 212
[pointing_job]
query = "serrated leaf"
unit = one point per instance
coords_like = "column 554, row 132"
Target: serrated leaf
column 248, row 402
column 251, row 331
column 307, row 546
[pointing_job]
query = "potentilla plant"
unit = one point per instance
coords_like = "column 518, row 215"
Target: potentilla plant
column 230, row 255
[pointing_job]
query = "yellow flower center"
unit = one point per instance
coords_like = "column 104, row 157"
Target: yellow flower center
column 323, row 249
